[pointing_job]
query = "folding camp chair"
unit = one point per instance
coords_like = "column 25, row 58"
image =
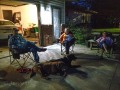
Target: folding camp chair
column 63, row 51
column 101, row 52
column 16, row 56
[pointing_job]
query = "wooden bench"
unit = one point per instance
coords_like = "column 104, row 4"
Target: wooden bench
column 93, row 43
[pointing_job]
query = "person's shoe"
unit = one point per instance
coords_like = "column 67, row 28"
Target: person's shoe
column 42, row 49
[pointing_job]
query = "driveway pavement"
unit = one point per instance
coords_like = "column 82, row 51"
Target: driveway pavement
column 94, row 74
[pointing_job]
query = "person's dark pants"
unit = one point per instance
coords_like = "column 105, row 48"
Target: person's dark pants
column 67, row 44
column 33, row 48
column 108, row 45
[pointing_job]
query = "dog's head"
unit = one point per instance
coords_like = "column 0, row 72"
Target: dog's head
column 71, row 57
column 68, row 59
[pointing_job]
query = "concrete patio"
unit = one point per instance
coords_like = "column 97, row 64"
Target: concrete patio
column 94, row 73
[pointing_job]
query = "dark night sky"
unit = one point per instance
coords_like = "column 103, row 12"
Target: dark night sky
column 101, row 6
column 106, row 6
column 108, row 11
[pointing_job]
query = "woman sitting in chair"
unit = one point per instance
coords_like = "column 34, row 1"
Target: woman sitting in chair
column 105, row 42
column 67, row 39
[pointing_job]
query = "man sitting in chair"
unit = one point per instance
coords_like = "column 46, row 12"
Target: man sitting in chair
column 105, row 42
column 67, row 39
column 20, row 45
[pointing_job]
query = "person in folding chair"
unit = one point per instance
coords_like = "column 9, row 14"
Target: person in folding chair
column 67, row 39
column 17, row 44
column 105, row 43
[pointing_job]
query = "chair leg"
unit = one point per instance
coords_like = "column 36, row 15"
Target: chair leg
column 100, row 52
column 19, row 63
column 10, row 56
column 110, row 53
column 73, row 48
column 25, row 57
column 11, row 61
column 61, row 49
column 30, row 57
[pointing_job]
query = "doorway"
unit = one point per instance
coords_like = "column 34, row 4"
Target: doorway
column 56, row 23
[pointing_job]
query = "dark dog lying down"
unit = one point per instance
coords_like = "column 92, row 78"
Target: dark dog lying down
column 47, row 68
column 53, row 67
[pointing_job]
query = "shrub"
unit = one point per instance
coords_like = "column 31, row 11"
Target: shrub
column 80, row 34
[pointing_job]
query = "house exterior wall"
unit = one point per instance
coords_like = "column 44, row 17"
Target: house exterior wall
column 49, row 30
column 29, row 12
column 29, row 15
column 78, row 17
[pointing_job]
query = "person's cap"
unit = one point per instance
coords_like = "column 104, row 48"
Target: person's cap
column 15, row 29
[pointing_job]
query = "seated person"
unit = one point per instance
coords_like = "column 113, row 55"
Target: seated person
column 67, row 39
column 105, row 42
column 19, row 26
column 18, row 43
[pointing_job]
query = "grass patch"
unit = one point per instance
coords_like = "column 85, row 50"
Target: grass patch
column 112, row 30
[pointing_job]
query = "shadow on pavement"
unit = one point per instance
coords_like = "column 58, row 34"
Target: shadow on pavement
column 87, row 56
column 78, row 73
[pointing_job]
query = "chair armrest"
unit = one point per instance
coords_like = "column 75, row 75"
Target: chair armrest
column 14, row 50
